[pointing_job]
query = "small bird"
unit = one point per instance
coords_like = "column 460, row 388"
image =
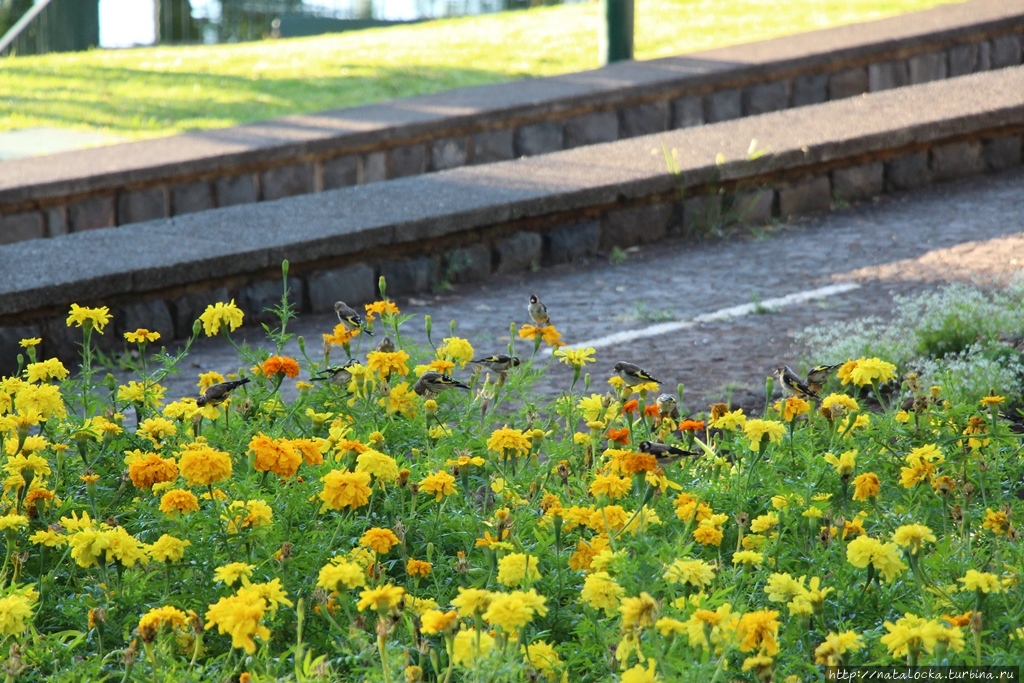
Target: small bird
column 218, row 393
column 385, row 345
column 664, row 453
column 337, row 374
column 499, row 362
column 819, row 373
column 435, row 383
column 667, row 406
column 538, row 311
column 351, row 319
column 792, row 384
column 633, row 375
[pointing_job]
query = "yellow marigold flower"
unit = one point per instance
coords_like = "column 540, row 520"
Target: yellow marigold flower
column 512, row 611
column 340, row 572
column 542, row 657
column 221, row 315
column 759, row 631
column 577, row 358
column 697, row 573
column 911, row 634
column 864, row 371
column 835, row 406
column 49, row 538
column 612, row 486
column 309, row 449
column 730, row 420
column 514, row 568
column 844, row 464
column 707, row 533
column 30, row 342
column 764, row 523
column 97, row 318
column 830, row 653
column 472, row 601
column 384, row 363
column 12, row 521
column 156, row 429
column 984, row 582
column 792, row 407
column 913, row 536
column 150, row 395
column 275, row 455
column 247, row 515
column 168, row 549
column 601, row 591
column 380, row 308
column 996, row 522
column 747, row 557
column 469, row 648
column 239, row 615
column 902, row 416
column 638, row 674
column 141, row 336
column 783, row 587
column 16, row 610
column 759, row 430
column 45, row 371
column 436, row 621
column 508, row 442
column 638, row 612
column 379, row 540
column 668, row 625
column 687, row 506
column 401, row 400
column 381, row 599
column 146, row 469
column 179, row 501
column 340, row 336
column 22, row 465
column 419, row 568
column 438, row 484
column 204, row 466
column 382, row 467
column 208, row 379
column 158, row 617
column 344, row 489
column 457, row 350
column 865, row 486
column 992, row 401
column 271, row 591
column 233, row 572
column 884, row 557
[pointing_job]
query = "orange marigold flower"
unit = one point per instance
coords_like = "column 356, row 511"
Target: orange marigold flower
column 652, row 410
column 344, row 489
column 631, row 406
column 309, row 449
column 203, row 466
column 418, row 568
column 379, row 540
column 619, row 436
column 632, row 463
column 275, row 455
column 179, row 501
column 281, row 365
column 691, row 425
column 149, row 468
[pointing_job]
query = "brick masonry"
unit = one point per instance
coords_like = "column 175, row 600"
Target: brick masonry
column 544, row 127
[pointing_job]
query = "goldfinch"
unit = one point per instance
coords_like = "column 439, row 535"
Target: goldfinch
column 385, row 345
column 337, row 374
column 633, row 374
column 664, row 453
column 819, row 373
column 435, row 383
column 792, row 384
column 667, row 406
column 498, row 363
column 538, row 311
column 351, row 319
column 218, row 393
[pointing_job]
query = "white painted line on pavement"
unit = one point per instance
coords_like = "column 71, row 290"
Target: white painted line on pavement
column 721, row 314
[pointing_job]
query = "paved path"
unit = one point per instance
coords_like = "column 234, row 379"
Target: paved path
column 899, row 244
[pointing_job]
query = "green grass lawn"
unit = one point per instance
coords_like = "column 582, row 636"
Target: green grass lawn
column 150, row 92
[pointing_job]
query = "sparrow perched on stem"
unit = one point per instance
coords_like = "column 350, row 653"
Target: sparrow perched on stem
column 633, row 375
column 351, row 319
column 664, row 453
column 218, row 393
column 337, row 374
column 538, row 311
column 792, row 384
column 498, row 363
column 435, row 383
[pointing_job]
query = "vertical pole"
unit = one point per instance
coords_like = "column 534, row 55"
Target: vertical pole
column 616, row 31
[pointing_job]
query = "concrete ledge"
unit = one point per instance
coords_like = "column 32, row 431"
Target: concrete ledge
column 500, row 217
column 116, row 185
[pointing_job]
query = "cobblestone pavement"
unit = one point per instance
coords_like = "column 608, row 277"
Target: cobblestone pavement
column 899, row 244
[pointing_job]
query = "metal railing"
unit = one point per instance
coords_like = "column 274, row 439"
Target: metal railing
column 33, row 33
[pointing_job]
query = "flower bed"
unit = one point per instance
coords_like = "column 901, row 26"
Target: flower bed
column 372, row 529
